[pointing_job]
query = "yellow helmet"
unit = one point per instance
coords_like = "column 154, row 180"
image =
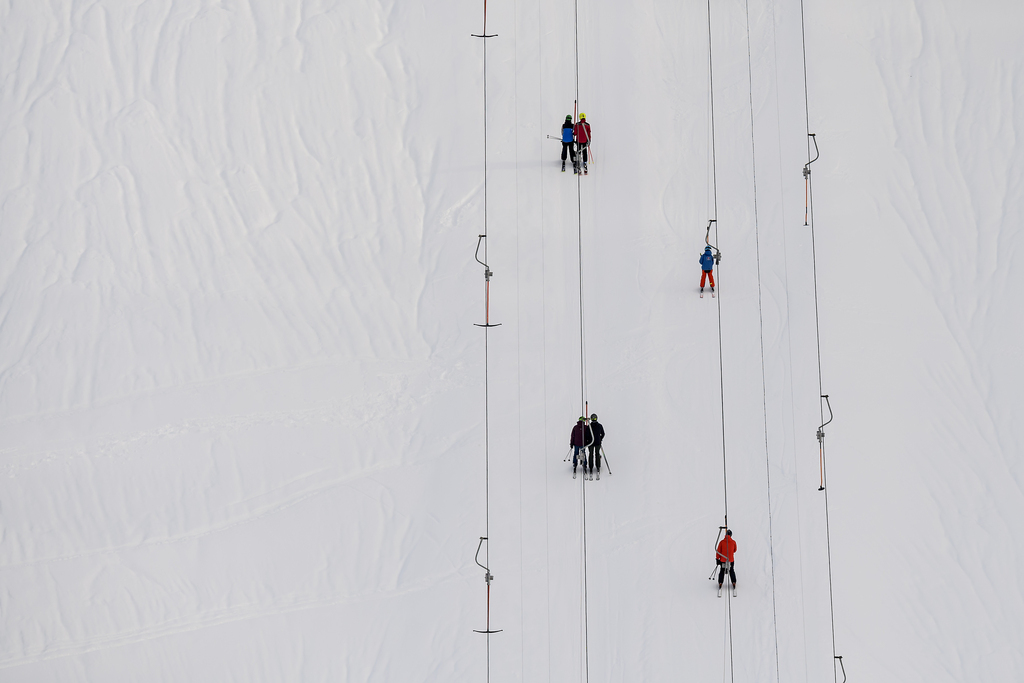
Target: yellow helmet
column 582, row 115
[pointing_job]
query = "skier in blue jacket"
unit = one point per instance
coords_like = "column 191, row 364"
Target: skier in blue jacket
column 707, row 265
column 567, row 142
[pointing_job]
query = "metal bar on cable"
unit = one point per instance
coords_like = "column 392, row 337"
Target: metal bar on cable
column 807, row 177
column 821, row 443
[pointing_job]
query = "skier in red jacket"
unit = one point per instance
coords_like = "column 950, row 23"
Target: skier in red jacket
column 581, row 131
column 725, row 557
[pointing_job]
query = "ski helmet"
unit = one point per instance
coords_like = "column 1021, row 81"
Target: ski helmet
column 728, row 532
column 582, row 115
column 593, row 416
column 568, row 117
column 582, row 419
column 707, row 248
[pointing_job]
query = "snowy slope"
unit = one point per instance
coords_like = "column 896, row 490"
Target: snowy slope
column 242, row 395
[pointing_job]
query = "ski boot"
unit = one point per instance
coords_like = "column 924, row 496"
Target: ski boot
column 563, row 165
column 584, row 168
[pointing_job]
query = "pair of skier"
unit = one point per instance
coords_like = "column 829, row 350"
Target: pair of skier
column 587, row 437
column 575, row 136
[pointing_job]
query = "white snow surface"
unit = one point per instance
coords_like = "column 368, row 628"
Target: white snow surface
column 242, row 395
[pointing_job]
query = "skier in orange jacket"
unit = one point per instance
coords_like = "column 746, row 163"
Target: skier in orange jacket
column 725, row 557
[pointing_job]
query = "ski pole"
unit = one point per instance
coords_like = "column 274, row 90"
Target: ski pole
column 713, row 572
column 552, row 137
column 607, row 466
column 567, row 454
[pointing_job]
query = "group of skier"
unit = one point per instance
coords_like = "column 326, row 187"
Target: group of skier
column 585, row 441
column 576, row 139
column 587, row 435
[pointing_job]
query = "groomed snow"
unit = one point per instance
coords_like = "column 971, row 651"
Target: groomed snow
column 241, row 393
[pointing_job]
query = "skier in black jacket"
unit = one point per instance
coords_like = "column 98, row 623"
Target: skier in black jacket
column 595, row 447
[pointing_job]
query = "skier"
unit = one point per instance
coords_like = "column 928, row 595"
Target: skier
column 707, row 265
column 579, row 440
column 581, row 131
column 567, row 143
column 725, row 557
column 597, row 432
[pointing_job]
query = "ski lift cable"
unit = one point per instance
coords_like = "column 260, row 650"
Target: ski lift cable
column 711, row 90
column 713, row 222
column 812, row 140
column 484, row 542
column 585, row 621
column 760, row 316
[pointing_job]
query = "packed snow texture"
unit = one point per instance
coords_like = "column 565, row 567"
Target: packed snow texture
column 242, row 393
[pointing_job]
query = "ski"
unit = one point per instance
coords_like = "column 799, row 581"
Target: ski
column 719, row 590
column 734, row 590
column 599, row 475
column 701, row 292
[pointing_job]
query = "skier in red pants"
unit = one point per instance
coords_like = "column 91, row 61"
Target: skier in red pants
column 707, row 265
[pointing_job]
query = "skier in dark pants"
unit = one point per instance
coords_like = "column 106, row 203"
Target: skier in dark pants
column 583, row 138
column 580, row 438
column 595, row 448
column 707, row 265
column 567, row 142
column 725, row 556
